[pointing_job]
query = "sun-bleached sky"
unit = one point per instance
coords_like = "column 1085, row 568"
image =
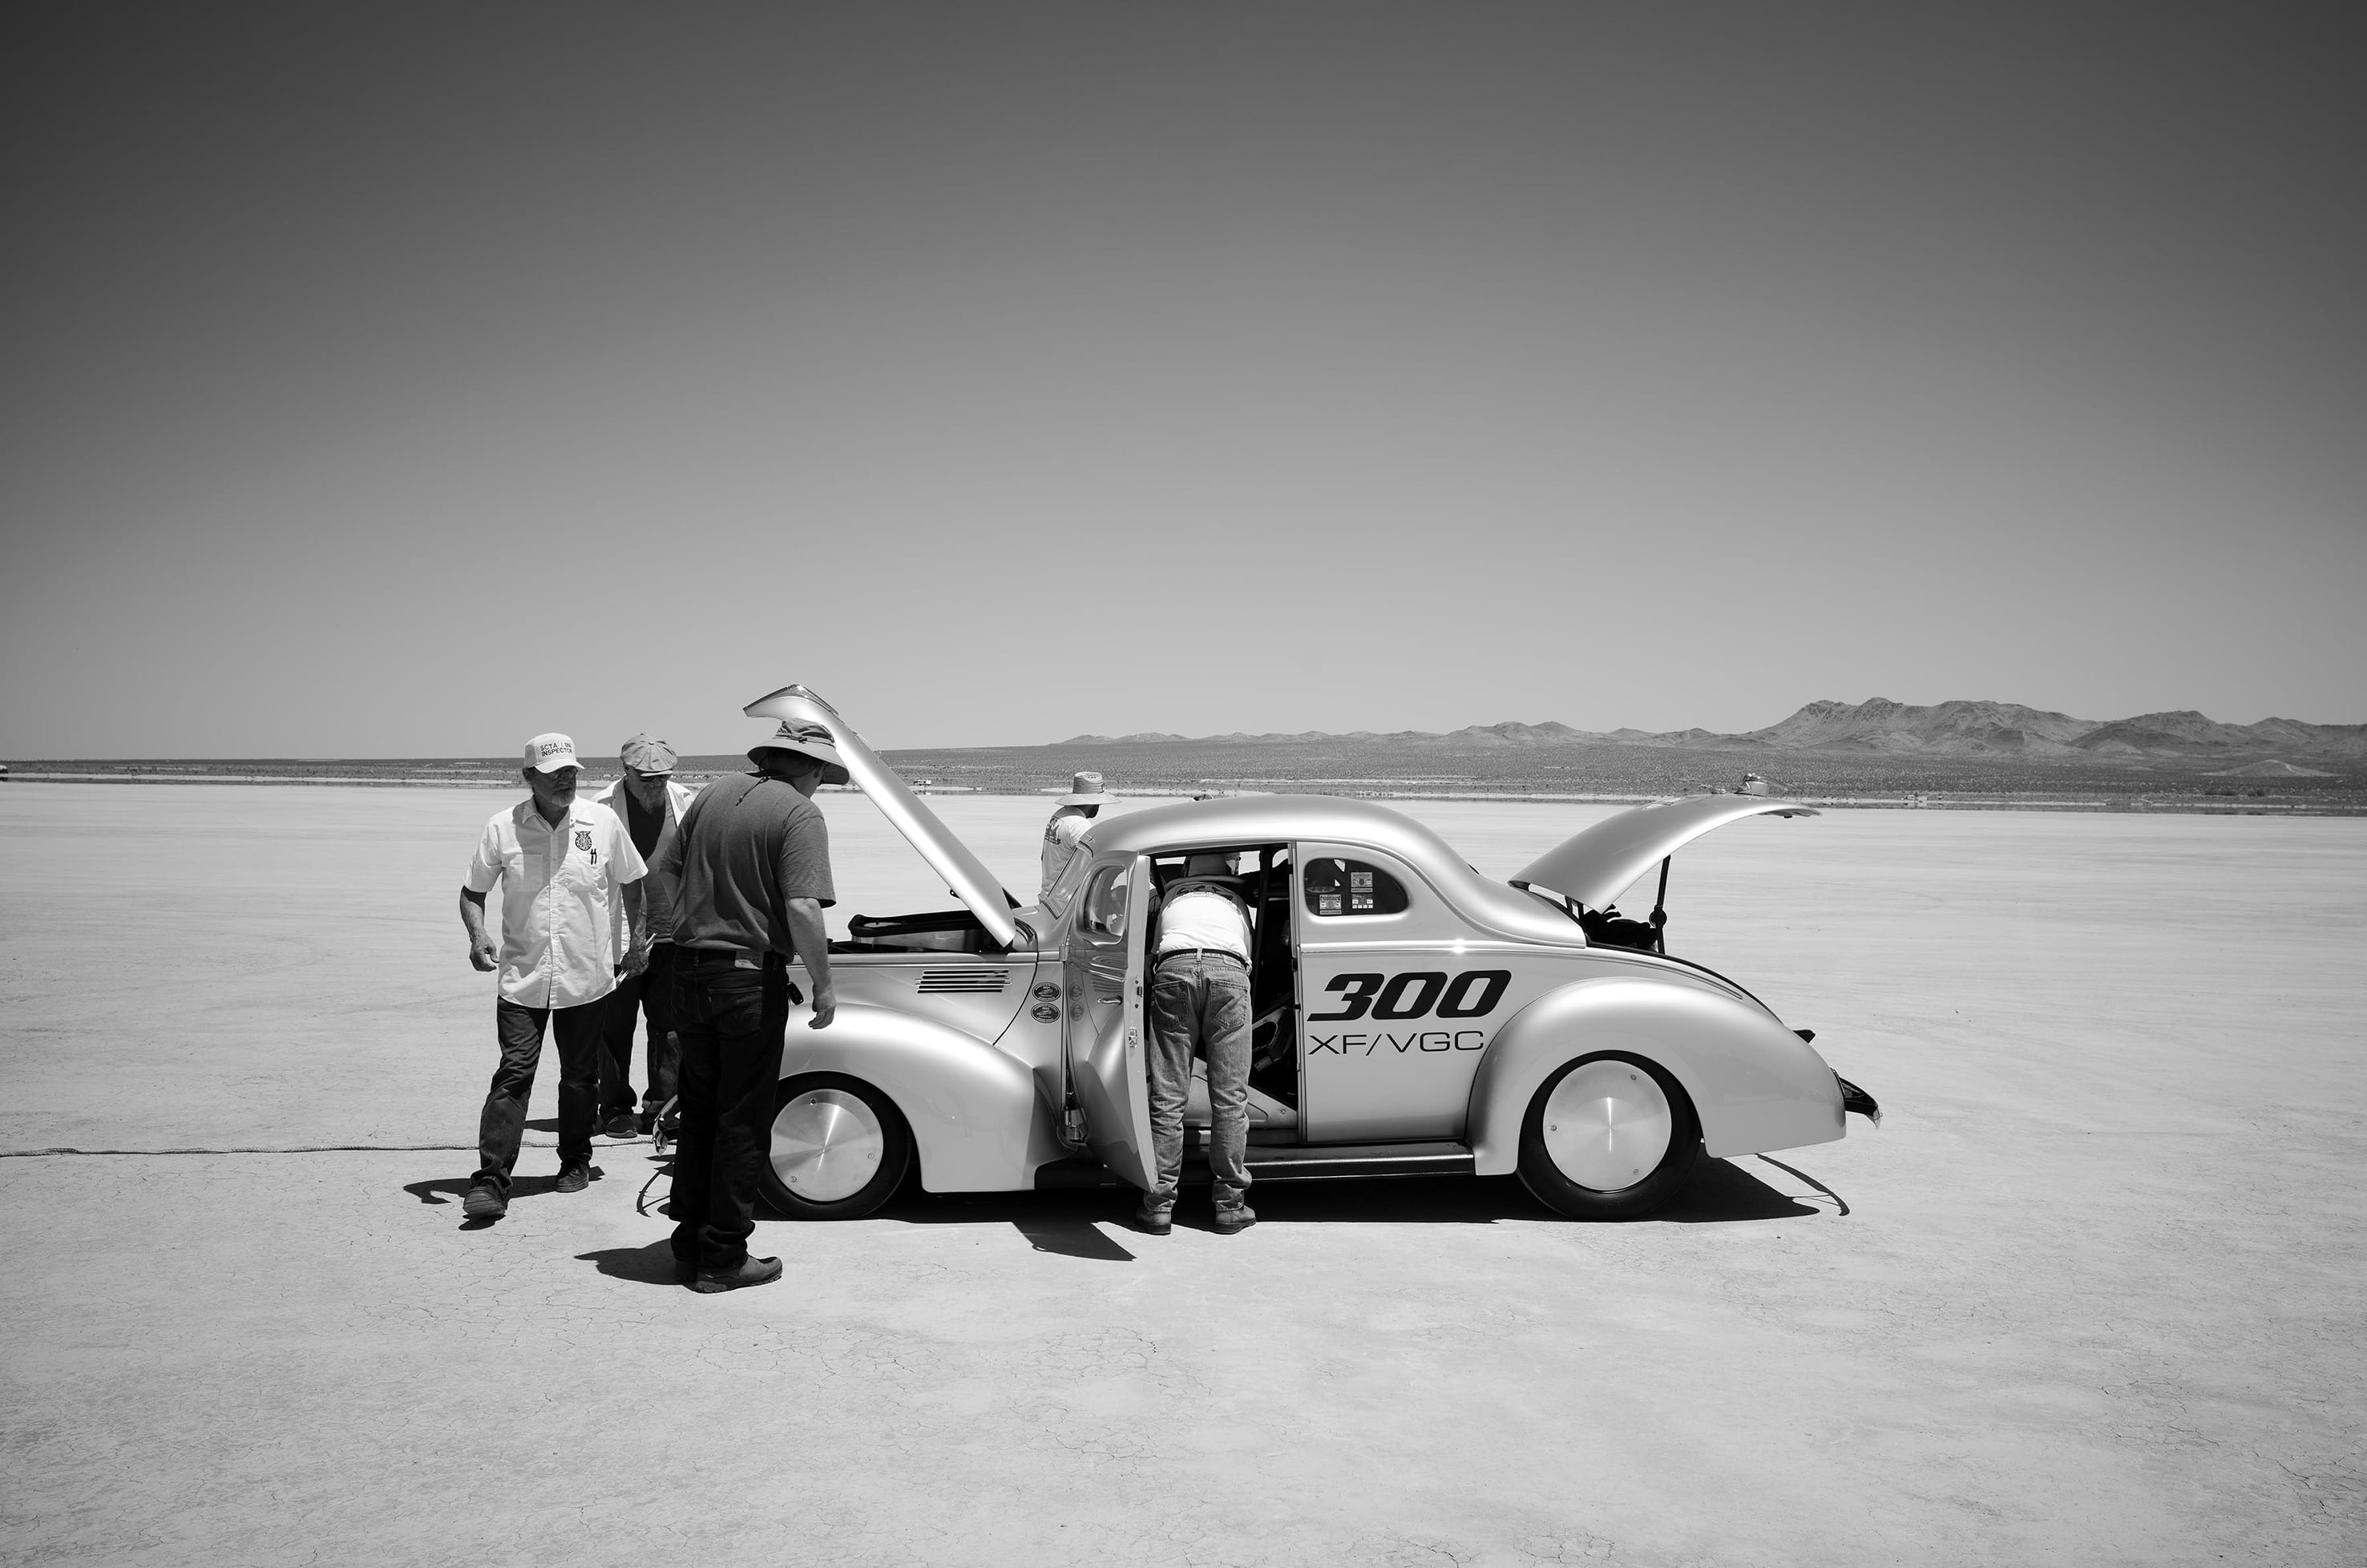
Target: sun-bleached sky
column 404, row 380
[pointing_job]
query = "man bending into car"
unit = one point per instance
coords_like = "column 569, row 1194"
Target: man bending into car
column 1200, row 996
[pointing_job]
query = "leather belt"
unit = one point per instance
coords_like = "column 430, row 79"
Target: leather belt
column 729, row 955
column 1200, row 953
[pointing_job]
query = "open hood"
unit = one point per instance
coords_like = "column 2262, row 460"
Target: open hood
column 967, row 878
column 1592, row 866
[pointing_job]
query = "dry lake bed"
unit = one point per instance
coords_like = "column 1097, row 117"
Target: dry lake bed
column 2096, row 1292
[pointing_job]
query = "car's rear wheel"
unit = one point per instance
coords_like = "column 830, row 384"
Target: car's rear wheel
column 839, row 1149
column 1608, row 1137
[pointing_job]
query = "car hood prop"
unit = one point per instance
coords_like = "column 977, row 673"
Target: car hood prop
column 966, row 876
column 1592, row 867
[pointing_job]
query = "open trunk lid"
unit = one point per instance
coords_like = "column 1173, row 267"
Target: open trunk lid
column 1594, row 866
column 965, row 874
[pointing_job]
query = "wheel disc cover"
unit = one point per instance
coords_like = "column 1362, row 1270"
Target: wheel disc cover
column 826, row 1145
column 1607, row 1125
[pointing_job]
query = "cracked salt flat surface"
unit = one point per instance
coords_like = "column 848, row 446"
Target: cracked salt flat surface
column 2096, row 1300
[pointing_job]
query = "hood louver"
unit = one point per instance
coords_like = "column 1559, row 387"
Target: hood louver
column 963, row 982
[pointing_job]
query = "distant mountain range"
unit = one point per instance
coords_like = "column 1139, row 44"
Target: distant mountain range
column 1882, row 726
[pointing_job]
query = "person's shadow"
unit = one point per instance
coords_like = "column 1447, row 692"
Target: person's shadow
column 441, row 1190
column 649, row 1264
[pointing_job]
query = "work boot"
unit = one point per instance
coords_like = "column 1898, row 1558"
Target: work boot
column 752, row 1271
column 485, row 1202
column 623, row 1124
column 1235, row 1219
column 1154, row 1222
column 574, row 1177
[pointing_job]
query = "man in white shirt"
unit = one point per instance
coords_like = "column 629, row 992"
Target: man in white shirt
column 560, row 863
column 1072, row 813
column 649, row 803
column 1200, row 994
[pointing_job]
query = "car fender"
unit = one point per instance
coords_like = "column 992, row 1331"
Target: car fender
column 1754, row 1084
column 972, row 1109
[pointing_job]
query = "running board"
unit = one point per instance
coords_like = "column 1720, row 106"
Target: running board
column 1293, row 1162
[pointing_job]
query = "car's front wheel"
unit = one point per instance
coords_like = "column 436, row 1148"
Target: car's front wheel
column 839, row 1149
column 1608, row 1138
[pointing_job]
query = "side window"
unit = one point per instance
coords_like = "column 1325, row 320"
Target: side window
column 1338, row 888
column 1103, row 911
column 1055, row 898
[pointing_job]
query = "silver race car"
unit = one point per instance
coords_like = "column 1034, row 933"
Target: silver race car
column 1412, row 1017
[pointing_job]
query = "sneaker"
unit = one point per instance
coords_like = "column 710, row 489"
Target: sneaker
column 485, row 1202
column 754, row 1271
column 1230, row 1221
column 574, row 1177
column 623, row 1124
column 1154, row 1222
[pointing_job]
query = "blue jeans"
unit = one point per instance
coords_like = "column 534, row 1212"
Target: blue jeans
column 730, row 1022
column 1204, row 1001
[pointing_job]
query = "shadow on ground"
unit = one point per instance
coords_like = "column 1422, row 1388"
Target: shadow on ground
column 1078, row 1224
column 444, row 1189
column 650, row 1264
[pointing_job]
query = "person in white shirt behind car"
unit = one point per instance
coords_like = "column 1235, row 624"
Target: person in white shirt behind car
column 559, row 861
column 1072, row 813
column 1200, row 996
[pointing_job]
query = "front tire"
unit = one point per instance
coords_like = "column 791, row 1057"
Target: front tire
column 839, row 1149
column 1608, row 1137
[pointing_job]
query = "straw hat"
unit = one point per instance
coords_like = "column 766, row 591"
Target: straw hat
column 1085, row 789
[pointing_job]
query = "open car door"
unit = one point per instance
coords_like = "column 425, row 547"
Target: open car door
column 1109, row 1064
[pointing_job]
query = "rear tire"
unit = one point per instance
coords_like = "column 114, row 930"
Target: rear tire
column 839, row 1149
column 1608, row 1137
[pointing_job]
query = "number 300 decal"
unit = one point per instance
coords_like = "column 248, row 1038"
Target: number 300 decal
column 1471, row 994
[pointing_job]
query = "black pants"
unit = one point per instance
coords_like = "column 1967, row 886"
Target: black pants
column 649, row 994
column 576, row 1032
column 731, row 1022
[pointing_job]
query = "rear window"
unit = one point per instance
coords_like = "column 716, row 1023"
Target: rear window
column 1340, row 889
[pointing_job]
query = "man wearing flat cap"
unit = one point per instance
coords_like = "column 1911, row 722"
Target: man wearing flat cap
column 649, row 803
column 562, row 865
column 1072, row 813
column 752, row 859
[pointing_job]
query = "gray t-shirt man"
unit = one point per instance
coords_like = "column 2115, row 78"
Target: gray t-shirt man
column 754, row 843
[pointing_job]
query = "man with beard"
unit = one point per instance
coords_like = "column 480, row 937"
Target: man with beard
column 560, row 863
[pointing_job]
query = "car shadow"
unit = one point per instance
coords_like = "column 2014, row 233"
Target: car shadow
column 1071, row 1238
column 1722, row 1193
column 1075, row 1222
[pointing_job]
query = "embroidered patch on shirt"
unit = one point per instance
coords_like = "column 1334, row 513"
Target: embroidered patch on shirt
column 583, row 838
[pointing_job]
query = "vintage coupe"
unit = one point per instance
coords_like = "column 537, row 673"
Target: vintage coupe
column 1412, row 1017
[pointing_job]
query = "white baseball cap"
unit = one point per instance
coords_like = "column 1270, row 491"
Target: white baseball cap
column 549, row 753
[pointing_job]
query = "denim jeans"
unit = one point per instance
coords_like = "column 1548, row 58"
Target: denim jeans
column 1207, row 1001
column 730, row 1022
column 647, row 995
column 576, row 1032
